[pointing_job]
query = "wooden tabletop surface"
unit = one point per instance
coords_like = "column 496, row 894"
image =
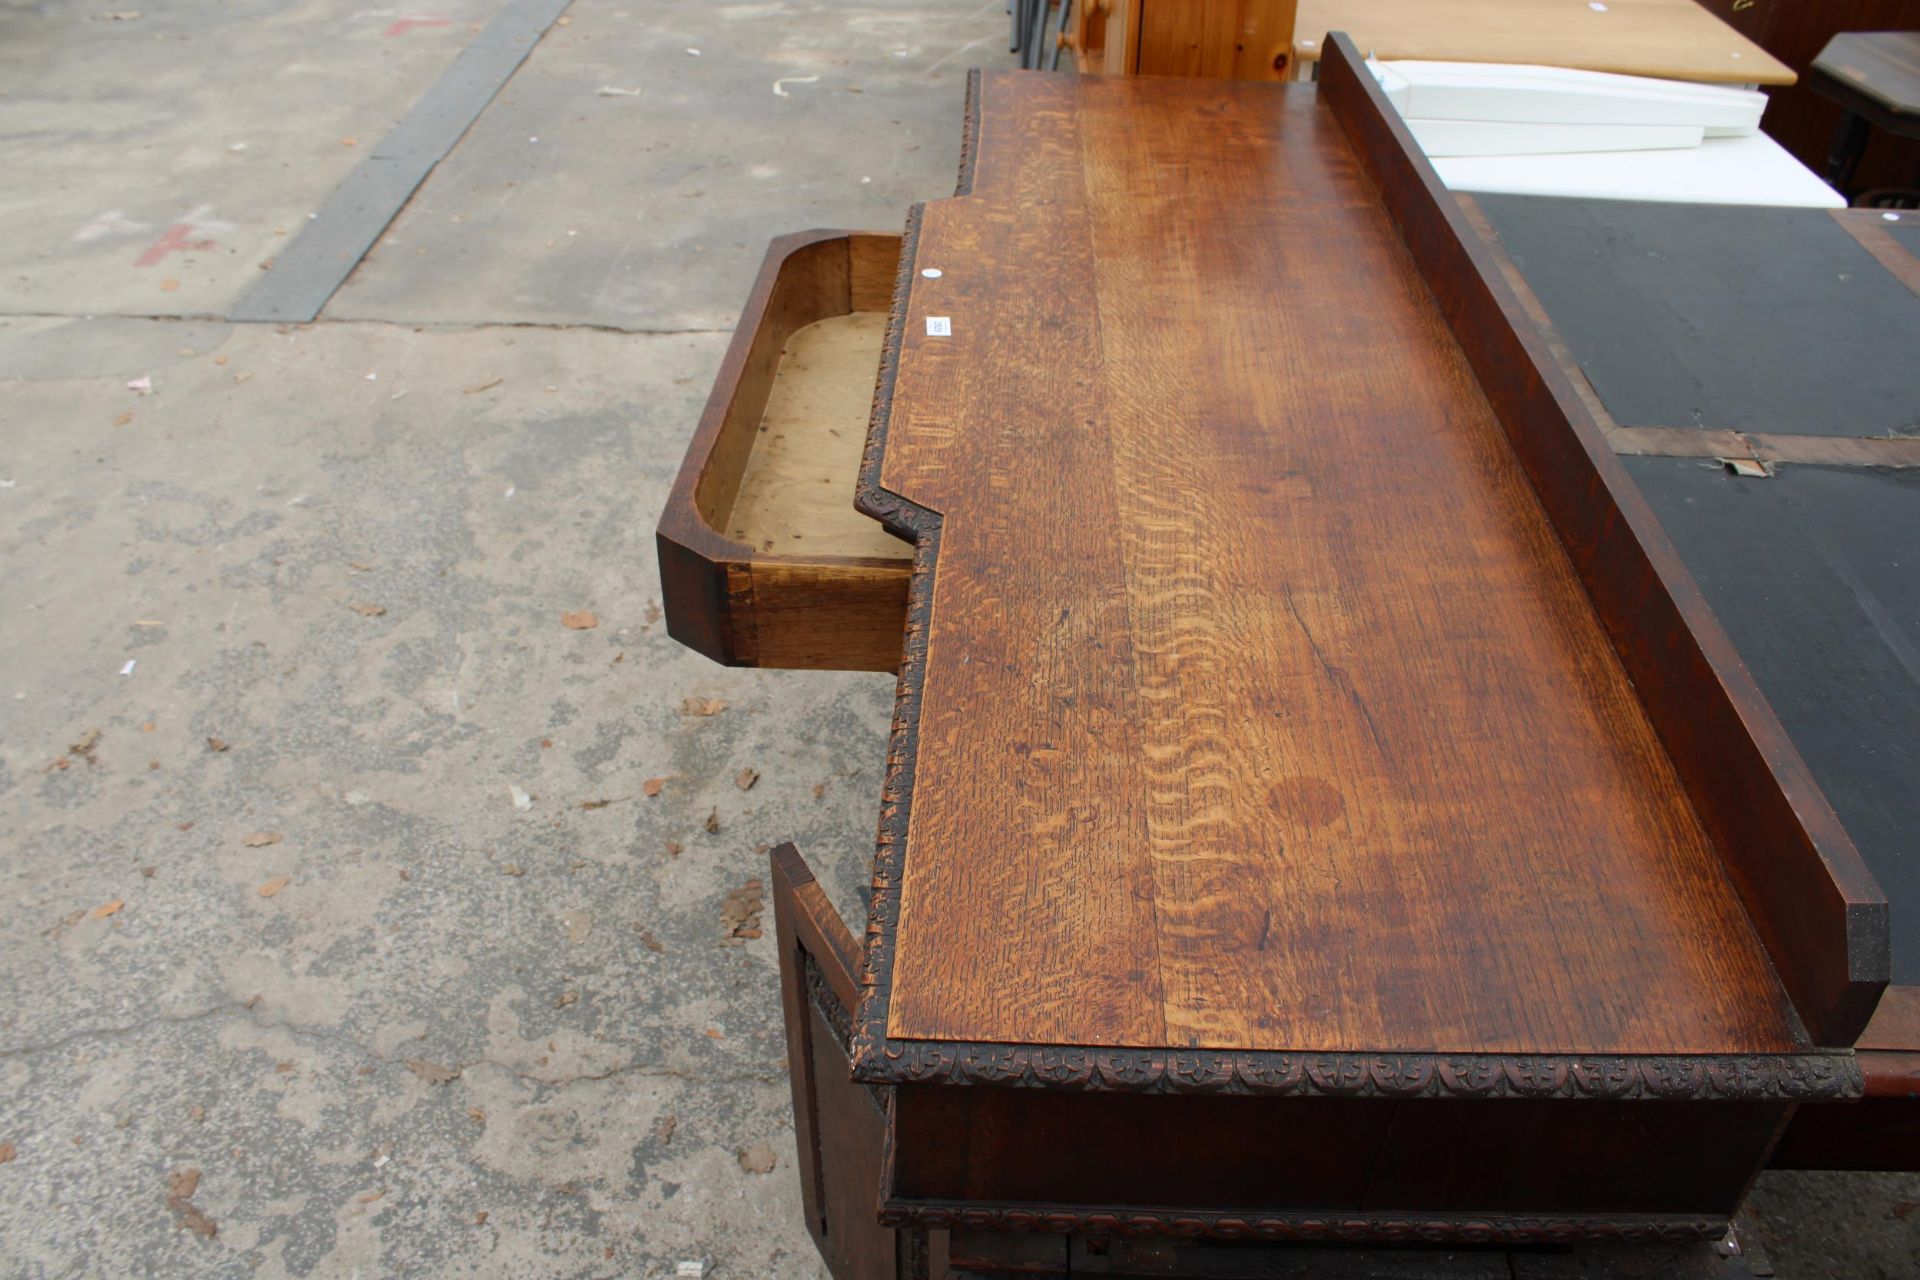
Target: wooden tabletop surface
column 1260, row 706
column 1883, row 65
column 1672, row 39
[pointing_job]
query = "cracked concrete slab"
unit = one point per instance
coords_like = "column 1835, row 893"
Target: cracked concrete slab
column 341, row 597
column 156, row 156
column 294, row 984
column 633, row 172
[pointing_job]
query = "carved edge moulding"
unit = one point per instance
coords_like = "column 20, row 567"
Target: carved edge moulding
column 1839, row 950
column 1796, row 1077
column 1312, row 1228
column 1799, row 1077
column 1302, row 1228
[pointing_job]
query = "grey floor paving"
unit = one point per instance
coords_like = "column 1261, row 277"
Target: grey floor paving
column 356, row 586
column 322, row 956
column 624, row 180
column 154, row 162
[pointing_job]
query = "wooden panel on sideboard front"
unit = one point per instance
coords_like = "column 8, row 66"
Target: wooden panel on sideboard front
column 839, row 1126
column 1248, row 1156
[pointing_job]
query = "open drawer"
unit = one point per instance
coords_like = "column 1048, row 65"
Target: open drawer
column 763, row 560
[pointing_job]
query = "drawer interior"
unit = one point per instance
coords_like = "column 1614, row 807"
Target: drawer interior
column 795, row 493
column 763, row 559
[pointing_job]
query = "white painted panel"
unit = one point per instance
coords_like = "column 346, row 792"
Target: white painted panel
column 1560, row 95
column 1392, row 84
column 1511, row 138
column 1751, row 170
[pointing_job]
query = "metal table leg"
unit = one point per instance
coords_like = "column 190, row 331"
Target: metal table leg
column 1844, row 158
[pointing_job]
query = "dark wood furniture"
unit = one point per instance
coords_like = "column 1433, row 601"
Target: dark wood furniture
column 1798, row 117
column 1875, row 77
column 1321, row 806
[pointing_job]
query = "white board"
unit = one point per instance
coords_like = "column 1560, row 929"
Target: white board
column 1751, row 170
column 1561, row 95
column 1510, row 138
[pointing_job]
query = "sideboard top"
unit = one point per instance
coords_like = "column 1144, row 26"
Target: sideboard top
column 1251, row 701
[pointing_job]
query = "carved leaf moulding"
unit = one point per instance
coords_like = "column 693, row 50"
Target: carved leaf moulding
column 1816, row 1076
column 969, row 135
column 1332, row 1227
column 1796, row 1077
column 822, row 997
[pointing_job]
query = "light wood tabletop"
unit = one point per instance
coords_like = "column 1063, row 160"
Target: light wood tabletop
column 1671, row 39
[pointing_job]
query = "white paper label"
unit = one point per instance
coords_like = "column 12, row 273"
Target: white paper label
column 939, row 326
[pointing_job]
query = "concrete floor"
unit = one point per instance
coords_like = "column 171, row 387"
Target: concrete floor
column 295, row 984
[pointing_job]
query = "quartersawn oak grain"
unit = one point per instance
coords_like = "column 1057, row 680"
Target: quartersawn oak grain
column 1261, row 708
